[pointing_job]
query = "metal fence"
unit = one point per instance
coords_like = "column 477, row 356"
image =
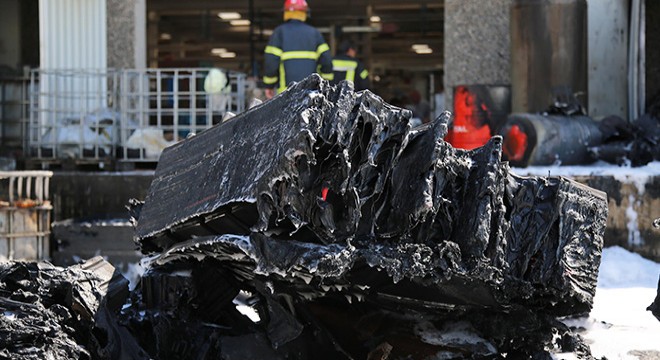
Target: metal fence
column 125, row 115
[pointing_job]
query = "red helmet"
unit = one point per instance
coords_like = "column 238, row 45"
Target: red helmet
column 295, row 5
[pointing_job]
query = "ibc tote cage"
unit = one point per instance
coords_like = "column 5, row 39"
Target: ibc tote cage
column 98, row 116
column 72, row 114
column 162, row 106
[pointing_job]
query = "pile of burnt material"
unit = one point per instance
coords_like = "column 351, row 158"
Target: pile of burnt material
column 50, row 312
column 349, row 234
column 636, row 143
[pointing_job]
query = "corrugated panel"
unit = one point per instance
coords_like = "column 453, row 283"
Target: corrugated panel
column 72, row 34
column 73, row 81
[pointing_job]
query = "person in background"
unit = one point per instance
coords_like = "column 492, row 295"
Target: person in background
column 346, row 67
column 295, row 51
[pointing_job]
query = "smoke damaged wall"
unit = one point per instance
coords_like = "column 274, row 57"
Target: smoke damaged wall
column 477, row 44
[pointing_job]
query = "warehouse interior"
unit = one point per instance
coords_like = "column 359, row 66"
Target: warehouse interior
column 401, row 42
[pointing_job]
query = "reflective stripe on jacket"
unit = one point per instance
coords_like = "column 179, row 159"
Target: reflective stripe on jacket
column 345, row 67
column 294, row 51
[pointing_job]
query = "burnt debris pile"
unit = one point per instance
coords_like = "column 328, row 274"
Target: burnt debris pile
column 351, row 235
column 636, row 142
column 49, row 312
column 343, row 233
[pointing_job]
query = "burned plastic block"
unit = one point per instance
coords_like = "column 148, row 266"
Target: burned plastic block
column 324, row 201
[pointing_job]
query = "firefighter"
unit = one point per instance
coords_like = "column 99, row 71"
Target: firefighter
column 295, row 50
column 346, row 67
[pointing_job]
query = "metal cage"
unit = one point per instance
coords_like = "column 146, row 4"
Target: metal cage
column 162, row 106
column 127, row 115
column 73, row 114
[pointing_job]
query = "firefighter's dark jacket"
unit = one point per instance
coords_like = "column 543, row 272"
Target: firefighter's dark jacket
column 349, row 68
column 294, row 51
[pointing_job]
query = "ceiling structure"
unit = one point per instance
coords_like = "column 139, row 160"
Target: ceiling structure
column 392, row 35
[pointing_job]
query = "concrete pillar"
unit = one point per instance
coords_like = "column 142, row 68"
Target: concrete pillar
column 477, row 44
column 140, row 41
column 126, row 34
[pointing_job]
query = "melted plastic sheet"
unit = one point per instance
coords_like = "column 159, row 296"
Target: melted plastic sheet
column 346, row 234
column 356, row 236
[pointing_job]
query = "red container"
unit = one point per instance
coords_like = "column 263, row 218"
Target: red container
column 479, row 112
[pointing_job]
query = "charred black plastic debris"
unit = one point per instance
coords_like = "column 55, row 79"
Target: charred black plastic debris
column 352, row 235
column 636, row 142
column 564, row 134
column 50, row 312
column 654, row 308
